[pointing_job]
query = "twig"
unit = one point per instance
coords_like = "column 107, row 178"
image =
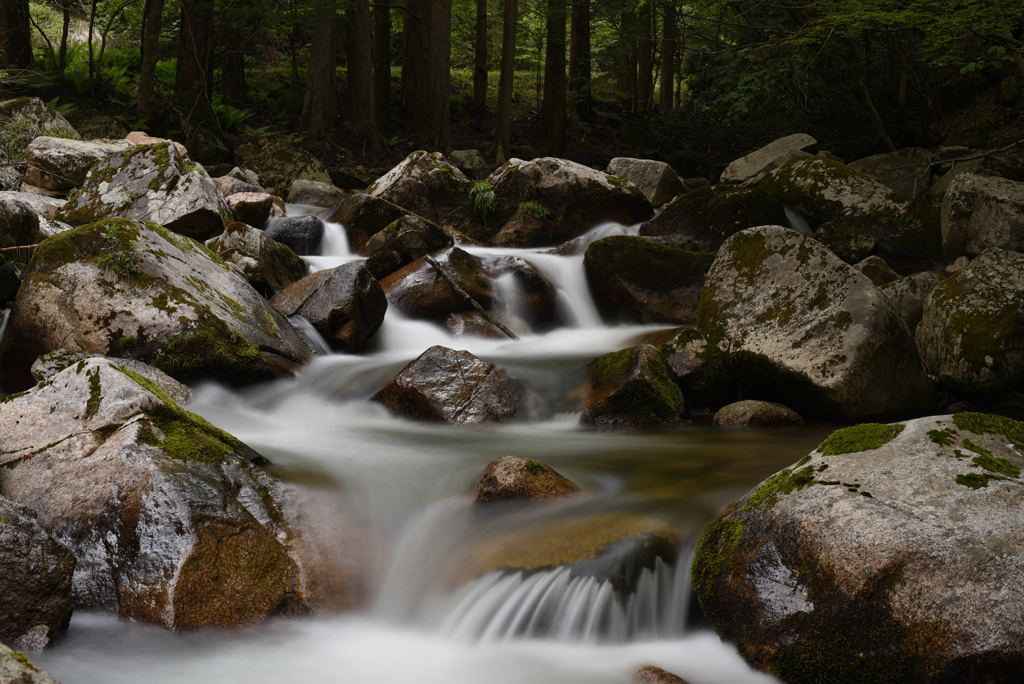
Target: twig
column 11, row 461
column 11, row 249
column 476, row 305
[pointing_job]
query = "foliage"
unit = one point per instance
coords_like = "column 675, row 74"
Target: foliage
column 485, row 202
column 118, row 254
column 535, row 208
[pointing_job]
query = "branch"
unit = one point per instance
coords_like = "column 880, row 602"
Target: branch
column 462, row 293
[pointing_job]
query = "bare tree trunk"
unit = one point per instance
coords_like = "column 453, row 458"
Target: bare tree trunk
column 195, row 46
column 645, row 60
column 382, row 65
column 92, row 57
column 15, row 35
column 62, row 62
column 480, row 61
column 579, row 60
column 414, row 50
column 147, row 73
column 234, row 87
column 360, row 67
column 869, row 103
column 627, row 53
column 668, row 56
column 553, row 112
column 502, row 147
column 320, row 105
column 437, row 131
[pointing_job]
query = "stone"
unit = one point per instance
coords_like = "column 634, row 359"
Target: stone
column 445, row 385
column 971, row 323
column 877, row 271
column 514, row 478
column 44, row 206
column 471, row 163
column 302, row 234
column 228, row 186
column 315, row 193
column 143, row 138
column 61, row 164
column 636, row 280
column 746, row 168
column 279, row 165
column 267, row 265
column 345, row 304
column 473, row 324
column 846, row 243
column 631, row 388
column 410, row 236
column 889, row 554
column 252, row 208
column 153, row 183
column 529, row 225
column 49, row 228
column 787, row 321
column 245, row 175
column 425, row 184
column 100, row 127
column 51, row 363
column 979, row 212
column 19, row 225
column 655, row 675
column 11, row 275
column 418, row 290
column 34, row 118
column 958, row 263
column 1008, row 164
column 710, row 215
column 352, row 178
column 363, row 217
column 909, row 292
column 753, row 413
column 132, row 289
column 16, row 668
column 908, row 171
column 383, row 264
column 656, row 180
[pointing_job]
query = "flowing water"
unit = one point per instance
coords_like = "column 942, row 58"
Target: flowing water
column 428, row 618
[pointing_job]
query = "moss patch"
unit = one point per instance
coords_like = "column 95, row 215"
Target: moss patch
column 92, row 406
column 711, row 558
column 863, row 437
column 782, row 482
column 991, row 424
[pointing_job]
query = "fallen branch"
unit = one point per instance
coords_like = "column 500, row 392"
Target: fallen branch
column 465, row 295
column 11, row 249
column 16, row 459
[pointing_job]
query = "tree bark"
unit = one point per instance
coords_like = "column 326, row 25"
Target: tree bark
column 627, row 53
column 195, row 46
column 501, row 150
column 414, row 62
column 480, row 61
column 553, row 113
column 15, row 35
column 645, row 60
column 359, row 51
column 668, row 56
column 320, row 105
column 437, row 133
column 62, row 63
column 382, row 65
column 147, row 72
column 869, row 103
column 579, row 60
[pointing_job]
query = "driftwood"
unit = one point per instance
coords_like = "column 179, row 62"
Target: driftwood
column 465, row 295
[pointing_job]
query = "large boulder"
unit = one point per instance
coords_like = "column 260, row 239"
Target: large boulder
column 21, row 120
column 303, row 234
column 471, row 163
column 363, row 217
column 909, row 293
column 346, row 305
column 315, row 193
column 16, row 668
column 424, row 183
column 972, row 323
column 979, row 212
column 267, row 265
column 891, row 553
column 656, row 179
column 792, row 323
column 445, row 385
column 908, row 233
column 631, row 388
column 753, row 413
column 19, row 225
column 907, row 171
column 514, row 478
column 410, row 236
column 279, row 165
column 638, row 280
column 152, row 183
column 750, row 166
column 134, row 289
column 61, row 164
column 143, row 138
column 44, row 206
column 251, row 207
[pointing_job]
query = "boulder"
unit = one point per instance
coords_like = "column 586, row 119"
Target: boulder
column 753, row 413
column 445, row 385
column 531, row 224
column 278, row 165
column 514, row 478
column 472, row 323
column 245, row 175
column 44, row 206
column 143, row 138
column 345, row 304
column 100, row 127
column 909, row 292
column 845, row 242
column 153, row 183
column 971, row 325
column 51, row 363
column 631, row 388
column 16, row 668
column 228, row 186
column 710, row 215
column 877, row 271
column 637, row 280
column 252, row 208
column 424, row 183
column 471, row 163
column 656, row 179
column 907, row 171
column 410, row 236
column 133, row 289
column 61, row 164
column 19, row 225
column 787, row 321
column 418, row 290
column 889, row 554
column 908, row 233
column 748, row 167
column 383, row 264
column 302, row 234
column 980, row 212
column 49, row 228
column 11, row 275
column 363, row 217
column 655, row 675
column 352, row 178
column 34, row 118
column 315, row 193
column 267, row 265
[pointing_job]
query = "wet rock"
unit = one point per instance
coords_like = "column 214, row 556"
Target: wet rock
column 846, row 243
column 980, row 212
column 842, row 564
column 100, row 127
column 755, row 163
column 229, row 186
column 418, row 290
column 410, row 236
column 134, row 289
column 445, row 385
column 61, row 164
column 972, row 323
column 877, row 271
column 16, row 668
column 710, row 215
column 908, row 171
column 529, row 225
column 383, row 264
column 959, row 263
column 302, row 234
column 473, row 324
column 637, row 280
column 425, row 184
column 315, row 193
column 252, row 208
column 11, row 275
column 655, row 675
column 153, row 183
column 363, row 217
column 753, row 413
column 787, row 321
column 471, row 163
column 346, row 305
column 43, row 206
column 18, row 223
column 143, row 138
column 352, row 178
column 514, row 478
column 656, row 179
column 632, row 388
column 51, row 363
column 267, row 265
column 908, row 294
column 278, row 165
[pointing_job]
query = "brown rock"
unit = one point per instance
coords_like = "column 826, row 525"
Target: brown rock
column 632, row 388
column 140, row 138
column 514, row 478
column 418, row 290
column 251, row 207
column 751, row 413
column 655, row 675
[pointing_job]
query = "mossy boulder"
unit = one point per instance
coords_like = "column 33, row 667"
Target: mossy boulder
column 514, row 478
column 889, row 554
column 785, row 320
column 979, row 212
column 15, row 666
column 21, row 120
column 411, row 236
column 363, row 217
column 908, row 171
column 638, row 280
column 19, row 224
column 656, row 179
column 631, row 388
column 266, row 264
column 132, row 289
column 909, row 292
column 753, row 413
column 424, row 183
column 908, row 233
column 61, row 164
column 710, row 215
column 315, row 194
column 152, row 183
column 753, row 165
column 971, row 325
column 877, row 271
column 278, row 165
column 845, row 242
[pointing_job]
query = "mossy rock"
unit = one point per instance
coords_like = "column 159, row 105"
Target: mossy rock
column 845, row 242
column 632, row 388
column 363, row 217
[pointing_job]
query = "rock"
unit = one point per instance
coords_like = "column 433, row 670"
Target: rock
column 35, row 586
column 746, row 168
column 788, row 321
column 445, row 385
column 302, row 234
column 35, row 118
column 908, row 294
column 631, row 388
column 346, row 305
column 153, row 183
column 752, row 413
column 51, row 363
column 656, row 180
column 278, row 166
column 959, row 263
column 252, row 208
column 514, row 478
column 49, row 228
column 352, row 178
column 636, row 280
column 383, row 264
column 419, row 291
column 971, row 324
column 245, row 175
column 100, row 127
column 655, row 675
column 143, row 138
column 529, row 225
column 11, row 275
column 877, row 271
column 315, row 193
column 425, row 184
column 909, row 235
column 710, row 215
column 410, row 236
column 61, row 164
column 980, row 212
column 848, row 565
column 18, row 223
column 363, row 217
column 908, row 171
column 133, row 289
column 267, row 265
column 228, row 186
column 44, row 206
column 845, row 243
column 1008, row 164
column 471, row 163
column 16, row 668
column 472, row 323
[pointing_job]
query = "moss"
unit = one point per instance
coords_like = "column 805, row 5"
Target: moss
column 23, row 659
column 711, row 559
column 535, row 467
column 92, row 406
column 942, row 437
column 12, row 397
column 989, row 461
column 213, row 349
column 974, row 480
column 863, row 437
column 991, row 424
column 645, row 263
column 782, row 482
column 636, row 387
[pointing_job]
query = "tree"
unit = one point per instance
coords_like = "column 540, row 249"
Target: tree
column 668, row 55
column 480, row 61
column 414, row 62
column 320, row 105
column 553, row 115
column 360, row 112
column 579, row 60
column 150, row 42
column 15, row 35
column 382, row 64
column 501, row 150
column 195, row 48
column 437, row 133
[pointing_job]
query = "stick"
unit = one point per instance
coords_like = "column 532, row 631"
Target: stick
column 476, row 305
column 16, row 459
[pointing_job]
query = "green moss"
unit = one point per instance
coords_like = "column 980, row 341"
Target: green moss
column 213, row 349
column 21, row 658
column 782, row 482
column 12, row 397
column 942, row 437
column 535, row 467
column 991, row 424
column 989, row 461
column 92, row 406
column 863, row 437
column 974, row 480
column 711, row 559
column 649, row 398
column 645, row 264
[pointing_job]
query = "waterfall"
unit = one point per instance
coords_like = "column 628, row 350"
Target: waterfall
column 797, row 221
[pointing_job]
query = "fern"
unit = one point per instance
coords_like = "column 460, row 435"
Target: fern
column 485, row 202
column 118, row 253
column 534, row 209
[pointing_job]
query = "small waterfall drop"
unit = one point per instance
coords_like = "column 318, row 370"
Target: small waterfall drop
column 310, row 335
column 797, row 222
column 4, row 313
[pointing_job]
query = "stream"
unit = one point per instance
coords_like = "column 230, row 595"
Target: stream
column 409, row 485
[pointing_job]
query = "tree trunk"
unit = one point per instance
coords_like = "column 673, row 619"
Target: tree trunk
column 668, row 56
column 414, row 62
column 501, row 150
column 579, row 60
column 15, row 35
column 320, row 105
column 627, row 53
column 553, row 111
column 869, row 103
column 359, row 51
column 62, row 62
column 382, row 65
column 234, row 88
column 147, row 71
column 480, row 61
column 437, row 131
column 645, row 60
column 195, row 45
